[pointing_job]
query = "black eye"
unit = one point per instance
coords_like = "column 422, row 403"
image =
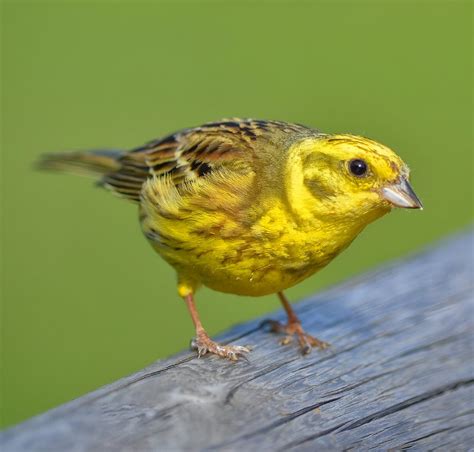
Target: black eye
column 358, row 167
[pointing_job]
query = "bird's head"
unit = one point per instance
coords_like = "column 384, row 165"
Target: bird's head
column 347, row 177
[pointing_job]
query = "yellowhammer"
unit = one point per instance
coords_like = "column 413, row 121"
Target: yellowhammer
column 250, row 207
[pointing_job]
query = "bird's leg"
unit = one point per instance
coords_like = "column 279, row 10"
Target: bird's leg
column 203, row 344
column 293, row 327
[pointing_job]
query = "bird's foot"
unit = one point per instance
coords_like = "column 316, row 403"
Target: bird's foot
column 204, row 344
column 291, row 329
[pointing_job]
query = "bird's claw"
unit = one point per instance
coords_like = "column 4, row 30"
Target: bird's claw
column 305, row 340
column 286, row 340
column 204, row 345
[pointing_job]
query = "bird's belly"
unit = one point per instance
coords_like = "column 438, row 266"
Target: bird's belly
column 253, row 282
column 243, row 268
column 252, row 261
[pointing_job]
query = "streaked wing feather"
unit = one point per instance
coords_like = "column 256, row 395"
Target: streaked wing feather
column 192, row 153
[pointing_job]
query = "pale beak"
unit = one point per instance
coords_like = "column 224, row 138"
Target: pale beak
column 400, row 194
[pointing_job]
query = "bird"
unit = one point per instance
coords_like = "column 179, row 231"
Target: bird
column 249, row 207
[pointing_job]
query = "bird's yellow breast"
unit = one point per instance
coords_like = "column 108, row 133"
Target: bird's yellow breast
column 256, row 254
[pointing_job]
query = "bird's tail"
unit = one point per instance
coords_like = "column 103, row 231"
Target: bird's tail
column 88, row 163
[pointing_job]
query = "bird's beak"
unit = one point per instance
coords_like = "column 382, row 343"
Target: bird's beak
column 400, row 194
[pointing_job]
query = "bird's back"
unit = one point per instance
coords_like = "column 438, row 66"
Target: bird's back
column 241, row 145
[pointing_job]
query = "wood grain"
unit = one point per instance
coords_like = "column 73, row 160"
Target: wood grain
column 399, row 375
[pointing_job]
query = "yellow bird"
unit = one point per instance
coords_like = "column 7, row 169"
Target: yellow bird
column 250, row 207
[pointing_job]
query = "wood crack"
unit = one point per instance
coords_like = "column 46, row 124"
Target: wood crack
column 287, row 418
column 410, row 444
column 380, row 414
column 407, row 403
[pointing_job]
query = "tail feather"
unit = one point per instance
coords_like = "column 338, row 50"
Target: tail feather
column 89, row 163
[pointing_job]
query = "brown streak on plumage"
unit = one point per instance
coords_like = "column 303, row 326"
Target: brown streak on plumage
column 233, row 142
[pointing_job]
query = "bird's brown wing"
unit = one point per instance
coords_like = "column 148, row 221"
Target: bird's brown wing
column 193, row 153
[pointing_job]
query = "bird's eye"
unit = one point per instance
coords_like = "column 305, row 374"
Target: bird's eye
column 358, row 167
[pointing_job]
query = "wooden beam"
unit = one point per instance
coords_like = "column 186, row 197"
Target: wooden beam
column 400, row 373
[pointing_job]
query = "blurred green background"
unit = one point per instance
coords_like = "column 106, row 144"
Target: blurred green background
column 85, row 299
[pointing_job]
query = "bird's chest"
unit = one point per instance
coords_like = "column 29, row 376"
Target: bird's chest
column 263, row 256
column 274, row 254
column 298, row 251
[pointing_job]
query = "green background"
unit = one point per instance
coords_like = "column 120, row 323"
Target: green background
column 85, row 299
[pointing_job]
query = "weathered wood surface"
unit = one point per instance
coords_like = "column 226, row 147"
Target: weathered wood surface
column 399, row 375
